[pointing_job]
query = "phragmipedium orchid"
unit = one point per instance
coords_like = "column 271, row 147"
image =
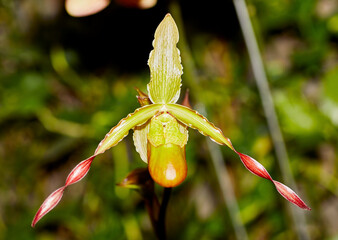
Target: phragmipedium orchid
column 160, row 126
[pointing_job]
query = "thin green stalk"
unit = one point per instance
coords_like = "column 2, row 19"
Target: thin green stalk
column 269, row 110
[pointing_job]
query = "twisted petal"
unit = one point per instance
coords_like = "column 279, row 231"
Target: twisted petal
column 253, row 166
column 53, row 199
column 195, row 120
column 256, row 168
column 290, row 195
column 115, row 135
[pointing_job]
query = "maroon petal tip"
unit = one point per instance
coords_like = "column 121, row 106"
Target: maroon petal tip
column 290, row 195
column 51, row 201
column 256, row 168
column 78, row 172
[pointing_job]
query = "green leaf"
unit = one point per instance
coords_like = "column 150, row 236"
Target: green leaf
column 165, row 64
column 197, row 121
column 117, row 133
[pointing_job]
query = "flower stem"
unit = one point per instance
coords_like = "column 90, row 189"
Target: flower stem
column 152, row 206
column 161, row 229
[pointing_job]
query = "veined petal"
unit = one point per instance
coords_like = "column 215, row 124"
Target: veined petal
column 165, row 64
column 141, row 132
column 115, row 135
column 197, row 121
column 140, row 140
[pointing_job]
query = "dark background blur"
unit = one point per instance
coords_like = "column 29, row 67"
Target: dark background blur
column 65, row 81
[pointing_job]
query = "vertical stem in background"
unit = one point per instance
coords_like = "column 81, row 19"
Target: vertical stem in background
column 269, row 110
column 215, row 152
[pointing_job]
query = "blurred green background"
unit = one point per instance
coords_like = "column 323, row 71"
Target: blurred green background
column 65, row 81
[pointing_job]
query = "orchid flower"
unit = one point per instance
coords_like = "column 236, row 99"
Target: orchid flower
column 160, row 126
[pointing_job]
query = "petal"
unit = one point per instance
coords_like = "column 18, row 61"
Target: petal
column 140, row 140
column 167, row 164
column 83, row 8
column 253, row 166
column 141, row 132
column 141, row 4
column 115, row 135
column 197, row 121
column 53, row 199
column 165, row 64
column 290, row 195
column 256, row 168
column 50, row 202
column 80, row 171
